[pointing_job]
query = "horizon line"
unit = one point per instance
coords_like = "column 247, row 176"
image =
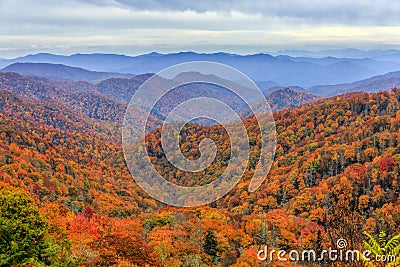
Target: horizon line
column 269, row 53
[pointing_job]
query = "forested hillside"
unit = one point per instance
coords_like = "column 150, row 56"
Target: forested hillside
column 336, row 174
column 61, row 72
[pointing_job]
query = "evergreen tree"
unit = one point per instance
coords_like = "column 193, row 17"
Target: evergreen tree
column 210, row 244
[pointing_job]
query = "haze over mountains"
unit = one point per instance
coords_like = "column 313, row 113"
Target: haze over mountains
column 377, row 54
column 377, row 83
column 281, row 70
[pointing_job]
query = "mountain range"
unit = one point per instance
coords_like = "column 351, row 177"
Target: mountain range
column 120, row 87
column 377, row 54
column 85, row 80
column 378, row 83
column 279, row 70
column 108, row 99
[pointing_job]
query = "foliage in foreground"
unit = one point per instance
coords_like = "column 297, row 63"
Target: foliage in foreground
column 24, row 233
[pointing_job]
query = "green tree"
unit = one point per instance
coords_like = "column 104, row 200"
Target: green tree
column 210, row 245
column 24, row 237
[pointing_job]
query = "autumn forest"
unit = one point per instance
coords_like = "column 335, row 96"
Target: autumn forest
column 67, row 197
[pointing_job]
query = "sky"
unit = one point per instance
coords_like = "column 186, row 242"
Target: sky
column 238, row 26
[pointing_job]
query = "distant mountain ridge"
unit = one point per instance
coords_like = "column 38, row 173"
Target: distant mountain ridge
column 279, row 70
column 122, row 86
column 377, row 54
column 374, row 84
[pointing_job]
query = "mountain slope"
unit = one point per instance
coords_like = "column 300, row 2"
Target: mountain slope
column 61, row 72
column 50, row 152
column 330, row 155
column 91, row 104
column 280, row 98
column 286, row 98
column 108, row 99
column 121, row 89
column 374, row 84
column 55, row 115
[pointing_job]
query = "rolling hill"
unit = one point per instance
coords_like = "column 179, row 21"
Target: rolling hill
column 374, row 84
column 107, row 100
column 287, row 98
column 61, row 72
column 91, row 104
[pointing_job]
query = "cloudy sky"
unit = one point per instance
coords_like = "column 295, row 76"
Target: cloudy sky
column 238, row 26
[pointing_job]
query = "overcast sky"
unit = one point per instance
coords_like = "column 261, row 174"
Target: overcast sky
column 243, row 26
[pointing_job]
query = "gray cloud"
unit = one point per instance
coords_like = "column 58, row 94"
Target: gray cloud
column 245, row 26
column 384, row 12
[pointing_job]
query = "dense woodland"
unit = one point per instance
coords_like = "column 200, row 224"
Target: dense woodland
column 68, row 199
